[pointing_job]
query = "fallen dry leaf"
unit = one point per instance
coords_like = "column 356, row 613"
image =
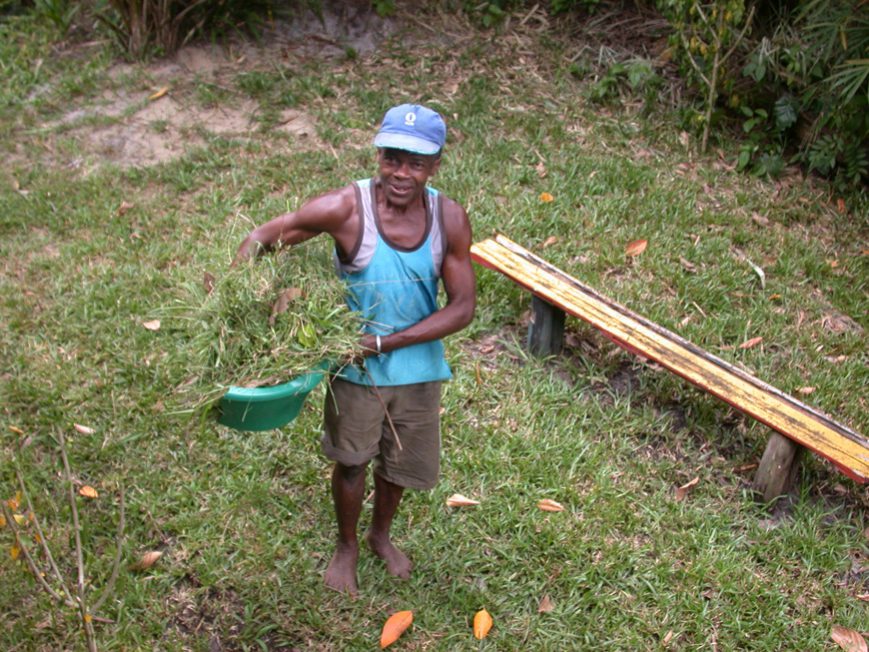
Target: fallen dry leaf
column 840, row 206
column 14, row 552
column 458, row 500
column 833, row 262
column 285, row 297
column 682, row 491
column 124, row 207
column 153, row 325
column 548, row 505
column 16, row 430
column 541, row 169
column 85, row 430
column 551, row 240
column 545, row 197
column 806, row 390
column 687, row 265
column 208, row 281
column 774, row 297
column 759, row 219
column 667, row 638
column 636, row 247
column 742, row 468
column 848, row 639
column 158, row 94
column 147, row 560
column 88, row 491
column 754, row 341
column 394, row 627
column 546, row 605
column 482, row 624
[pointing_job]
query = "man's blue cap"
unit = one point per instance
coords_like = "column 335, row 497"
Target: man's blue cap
column 413, row 128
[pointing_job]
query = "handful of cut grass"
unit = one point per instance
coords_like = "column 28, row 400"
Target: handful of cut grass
column 268, row 320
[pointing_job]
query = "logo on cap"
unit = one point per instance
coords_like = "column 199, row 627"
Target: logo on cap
column 409, row 119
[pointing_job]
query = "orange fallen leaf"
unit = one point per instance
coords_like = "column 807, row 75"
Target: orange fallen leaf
column 545, row 197
column 682, row 491
column 147, row 560
column 14, row 552
column 636, row 247
column 85, row 430
column 14, row 502
column 482, row 624
column 774, row 297
column 158, row 94
column 394, row 627
column 458, row 500
column 833, row 263
column 754, row 341
column 551, row 240
column 16, row 430
column 840, row 206
column 806, row 390
column 848, row 639
column 153, row 325
column 19, row 519
column 88, row 491
column 546, row 605
column 548, row 505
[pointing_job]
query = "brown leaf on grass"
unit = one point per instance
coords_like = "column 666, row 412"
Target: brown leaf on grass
column 153, row 325
column 85, row 430
column 160, row 93
column 805, row 391
column 541, row 170
column 147, row 560
column 742, row 468
column 546, row 197
column 16, row 430
column 840, row 206
column 124, row 207
column 458, row 500
column 88, row 492
column 636, row 247
column 833, row 262
column 482, row 624
column 687, row 265
column 208, row 281
column 759, row 219
column 754, row 341
column 863, row 597
column 548, row 505
column 667, row 638
column 838, row 323
column 14, row 551
column 848, row 639
column 683, row 491
column 394, row 627
column 546, row 605
column 551, row 240
column 285, row 297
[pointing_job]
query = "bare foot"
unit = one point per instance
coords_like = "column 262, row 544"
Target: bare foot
column 341, row 573
column 397, row 563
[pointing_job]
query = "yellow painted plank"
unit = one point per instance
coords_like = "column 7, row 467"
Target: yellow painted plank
column 785, row 414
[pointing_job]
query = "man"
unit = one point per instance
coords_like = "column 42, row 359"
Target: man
column 395, row 238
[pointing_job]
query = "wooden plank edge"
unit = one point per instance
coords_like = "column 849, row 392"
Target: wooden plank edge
column 479, row 256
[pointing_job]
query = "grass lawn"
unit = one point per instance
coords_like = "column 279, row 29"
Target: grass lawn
column 110, row 202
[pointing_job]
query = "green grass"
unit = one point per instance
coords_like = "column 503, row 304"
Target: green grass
column 244, row 519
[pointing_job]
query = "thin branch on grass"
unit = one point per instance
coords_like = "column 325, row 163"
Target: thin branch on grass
column 116, row 564
column 79, row 557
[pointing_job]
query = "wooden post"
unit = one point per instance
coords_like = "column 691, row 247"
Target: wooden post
column 546, row 331
column 778, row 466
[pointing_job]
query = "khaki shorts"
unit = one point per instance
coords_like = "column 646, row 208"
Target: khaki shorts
column 356, row 430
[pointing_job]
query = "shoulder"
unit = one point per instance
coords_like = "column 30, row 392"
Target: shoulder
column 331, row 208
column 456, row 224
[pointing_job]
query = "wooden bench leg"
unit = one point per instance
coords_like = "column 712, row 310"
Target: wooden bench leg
column 546, row 332
column 777, row 469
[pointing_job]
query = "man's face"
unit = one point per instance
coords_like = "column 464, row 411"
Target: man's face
column 403, row 174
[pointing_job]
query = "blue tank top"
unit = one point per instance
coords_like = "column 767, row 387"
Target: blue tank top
column 394, row 287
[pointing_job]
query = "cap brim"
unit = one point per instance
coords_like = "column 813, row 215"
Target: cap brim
column 407, row 143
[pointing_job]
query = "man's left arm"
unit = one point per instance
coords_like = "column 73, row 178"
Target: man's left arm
column 457, row 273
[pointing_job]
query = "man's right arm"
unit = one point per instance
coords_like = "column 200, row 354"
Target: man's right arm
column 329, row 213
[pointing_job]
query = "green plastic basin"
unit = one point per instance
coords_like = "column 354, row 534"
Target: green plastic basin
column 264, row 408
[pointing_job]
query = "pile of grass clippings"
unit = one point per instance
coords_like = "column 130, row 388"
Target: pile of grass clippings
column 266, row 321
